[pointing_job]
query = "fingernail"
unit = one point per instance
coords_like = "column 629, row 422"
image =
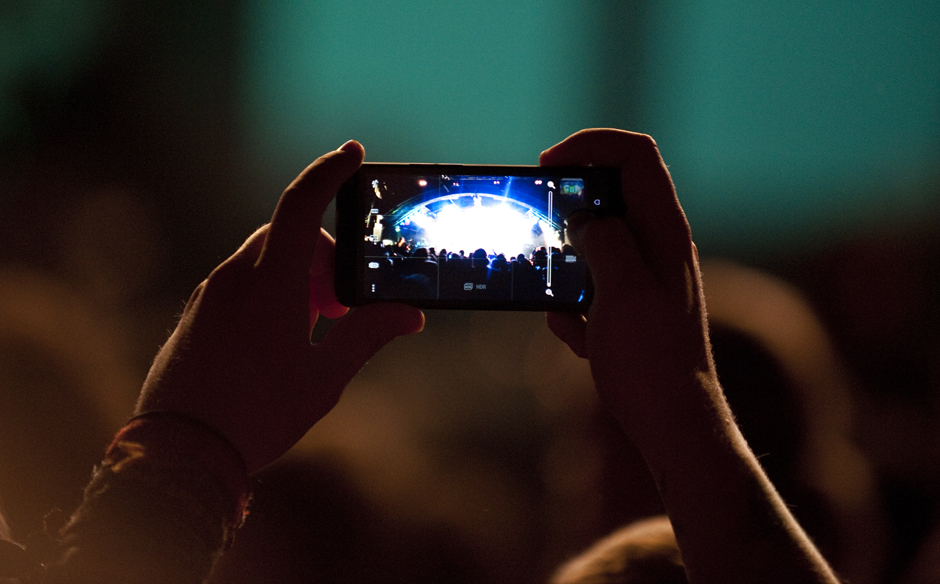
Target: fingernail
column 347, row 146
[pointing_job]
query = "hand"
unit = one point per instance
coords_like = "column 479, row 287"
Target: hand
column 646, row 337
column 645, row 333
column 240, row 361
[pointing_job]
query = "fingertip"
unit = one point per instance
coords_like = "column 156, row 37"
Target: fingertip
column 411, row 319
column 333, row 310
column 569, row 327
column 353, row 146
column 401, row 319
column 419, row 321
column 550, row 157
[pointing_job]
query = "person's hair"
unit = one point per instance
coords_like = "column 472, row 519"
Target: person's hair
column 644, row 552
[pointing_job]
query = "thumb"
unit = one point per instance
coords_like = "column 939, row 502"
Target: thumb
column 571, row 329
column 359, row 335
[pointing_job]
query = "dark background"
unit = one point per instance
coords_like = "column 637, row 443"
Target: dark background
column 140, row 143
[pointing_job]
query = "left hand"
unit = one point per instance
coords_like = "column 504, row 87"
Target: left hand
column 240, row 360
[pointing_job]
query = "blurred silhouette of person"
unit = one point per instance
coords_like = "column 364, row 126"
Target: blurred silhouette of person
column 65, row 385
column 644, row 552
column 791, row 394
column 311, row 522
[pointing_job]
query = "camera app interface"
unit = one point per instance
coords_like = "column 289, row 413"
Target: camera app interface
column 472, row 237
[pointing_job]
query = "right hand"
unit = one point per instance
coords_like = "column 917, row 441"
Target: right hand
column 646, row 336
column 645, row 333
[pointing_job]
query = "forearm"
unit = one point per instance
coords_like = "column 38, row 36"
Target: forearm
column 729, row 521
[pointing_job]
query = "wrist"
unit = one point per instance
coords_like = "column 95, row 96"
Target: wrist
column 664, row 417
column 161, row 441
column 163, row 505
column 690, row 441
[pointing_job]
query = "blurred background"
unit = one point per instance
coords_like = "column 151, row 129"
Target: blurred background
column 140, row 143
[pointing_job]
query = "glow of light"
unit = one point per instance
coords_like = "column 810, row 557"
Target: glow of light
column 551, row 238
column 495, row 228
column 422, row 183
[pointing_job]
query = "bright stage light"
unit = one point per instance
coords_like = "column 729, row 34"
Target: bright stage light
column 494, row 228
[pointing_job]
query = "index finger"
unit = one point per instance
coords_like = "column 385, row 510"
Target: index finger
column 295, row 226
column 654, row 215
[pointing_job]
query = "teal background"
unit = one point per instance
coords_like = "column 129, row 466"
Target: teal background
column 481, row 82
column 790, row 122
column 785, row 124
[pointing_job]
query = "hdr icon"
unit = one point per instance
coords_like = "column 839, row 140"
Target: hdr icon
column 468, row 286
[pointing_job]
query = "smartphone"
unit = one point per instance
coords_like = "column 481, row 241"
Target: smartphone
column 467, row 237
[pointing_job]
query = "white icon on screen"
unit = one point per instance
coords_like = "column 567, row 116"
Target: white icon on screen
column 549, row 292
column 468, row 286
column 374, row 265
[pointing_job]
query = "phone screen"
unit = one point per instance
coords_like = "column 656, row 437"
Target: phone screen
column 476, row 237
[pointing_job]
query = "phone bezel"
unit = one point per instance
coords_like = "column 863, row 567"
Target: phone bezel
column 349, row 273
